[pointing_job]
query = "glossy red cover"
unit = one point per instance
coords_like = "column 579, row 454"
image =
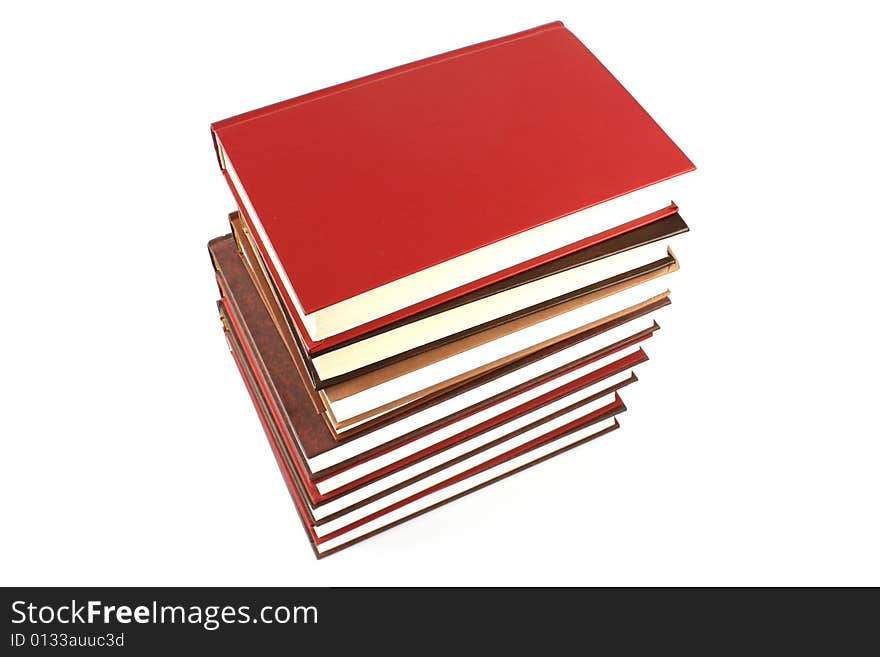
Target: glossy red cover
column 449, row 153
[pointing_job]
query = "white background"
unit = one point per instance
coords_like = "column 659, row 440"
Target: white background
column 131, row 453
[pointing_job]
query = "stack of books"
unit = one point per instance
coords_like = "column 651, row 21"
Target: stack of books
column 442, row 274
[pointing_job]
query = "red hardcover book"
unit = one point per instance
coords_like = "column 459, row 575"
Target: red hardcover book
column 336, row 532
column 381, row 197
column 329, row 467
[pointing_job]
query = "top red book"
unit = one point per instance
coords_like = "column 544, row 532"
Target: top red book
column 379, row 197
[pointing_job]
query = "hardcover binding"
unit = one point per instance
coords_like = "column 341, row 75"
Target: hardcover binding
column 294, row 484
column 304, row 437
column 306, row 488
column 661, row 159
column 664, row 228
column 314, row 437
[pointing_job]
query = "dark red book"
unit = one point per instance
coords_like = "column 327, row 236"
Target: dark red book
column 420, row 494
column 330, row 465
column 384, row 196
column 402, row 457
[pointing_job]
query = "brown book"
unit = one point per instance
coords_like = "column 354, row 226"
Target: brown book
column 343, row 396
column 308, row 435
column 329, row 398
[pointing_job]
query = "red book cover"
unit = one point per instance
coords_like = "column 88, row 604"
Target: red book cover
column 359, row 194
